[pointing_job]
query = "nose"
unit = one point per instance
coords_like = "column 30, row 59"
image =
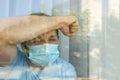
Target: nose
column 43, row 39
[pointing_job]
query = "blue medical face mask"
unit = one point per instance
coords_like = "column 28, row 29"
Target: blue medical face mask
column 43, row 55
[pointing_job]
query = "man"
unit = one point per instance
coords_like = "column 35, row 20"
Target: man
column 38, row 59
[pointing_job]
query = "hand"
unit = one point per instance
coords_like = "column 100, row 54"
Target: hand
column 69, row 28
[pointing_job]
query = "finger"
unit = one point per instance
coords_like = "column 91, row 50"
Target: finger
column 72, row 23
column 73, row 29
column 74, row 26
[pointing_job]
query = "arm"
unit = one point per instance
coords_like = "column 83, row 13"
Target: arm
column 19, row 29
column 14, row 30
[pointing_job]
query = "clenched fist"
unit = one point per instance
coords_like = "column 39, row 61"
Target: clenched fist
column 69, row 25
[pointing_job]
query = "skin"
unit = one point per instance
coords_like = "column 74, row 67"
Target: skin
column 19, row 29
column 50, row 37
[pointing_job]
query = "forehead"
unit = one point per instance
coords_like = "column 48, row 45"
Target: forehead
column 50, row 37
column 53, row 33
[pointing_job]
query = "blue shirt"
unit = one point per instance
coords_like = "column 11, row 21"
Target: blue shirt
column 20, row 69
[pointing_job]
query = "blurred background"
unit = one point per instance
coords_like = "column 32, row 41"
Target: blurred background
column 95, row 50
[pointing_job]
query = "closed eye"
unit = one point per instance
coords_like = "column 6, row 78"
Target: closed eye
column 52, row 38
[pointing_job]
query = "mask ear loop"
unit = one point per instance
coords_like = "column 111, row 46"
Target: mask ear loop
column 19, row 47
column 26, row 49
column 59, row 34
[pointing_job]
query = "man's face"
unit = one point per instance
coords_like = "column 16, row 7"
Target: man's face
column 49, row 37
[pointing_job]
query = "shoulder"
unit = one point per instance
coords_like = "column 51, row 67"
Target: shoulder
column 64, row 63
column 21, row 58
column 67, row 68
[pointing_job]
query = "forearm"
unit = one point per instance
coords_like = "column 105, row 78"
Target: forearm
column 19, row 29
column 23, row 28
